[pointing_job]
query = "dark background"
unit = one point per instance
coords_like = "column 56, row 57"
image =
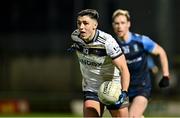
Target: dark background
column 34, row 36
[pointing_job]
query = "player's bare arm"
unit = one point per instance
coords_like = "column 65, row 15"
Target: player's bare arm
column 120, row 62
column 159, row 51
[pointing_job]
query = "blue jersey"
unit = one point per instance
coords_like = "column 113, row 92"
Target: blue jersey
column 136, row 49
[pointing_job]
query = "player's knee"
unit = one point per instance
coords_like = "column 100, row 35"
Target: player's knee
column 91, row 112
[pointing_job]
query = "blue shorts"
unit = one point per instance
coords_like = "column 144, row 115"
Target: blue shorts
column 93, row 96
column 143, row 89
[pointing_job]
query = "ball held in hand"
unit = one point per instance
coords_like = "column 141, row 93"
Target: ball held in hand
column 109, row 92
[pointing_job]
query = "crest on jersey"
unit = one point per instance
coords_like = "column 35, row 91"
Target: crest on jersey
column 136, row 48
column 86, row 50
column 126, row 49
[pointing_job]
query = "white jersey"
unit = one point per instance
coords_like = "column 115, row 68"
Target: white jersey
column 95, row 59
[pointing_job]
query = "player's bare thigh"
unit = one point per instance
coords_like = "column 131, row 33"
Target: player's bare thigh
column 138, row 106
column 92, row 108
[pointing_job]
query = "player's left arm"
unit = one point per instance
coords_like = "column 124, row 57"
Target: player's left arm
column 159, row 51
column 118, row 59
column 155, row 49
column 121, row 64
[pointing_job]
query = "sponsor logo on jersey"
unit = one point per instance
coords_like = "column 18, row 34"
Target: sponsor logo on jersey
column 134, row 60
column 90, row 63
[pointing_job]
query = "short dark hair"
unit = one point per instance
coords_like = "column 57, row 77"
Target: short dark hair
column 89, row 12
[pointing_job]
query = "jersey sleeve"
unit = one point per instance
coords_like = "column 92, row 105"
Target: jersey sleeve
column 148, row 43
column 112, row 48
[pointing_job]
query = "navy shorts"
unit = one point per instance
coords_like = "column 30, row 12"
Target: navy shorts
column 88, row 95
column 144, row 89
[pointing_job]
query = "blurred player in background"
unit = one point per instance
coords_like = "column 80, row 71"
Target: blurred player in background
column 136, row 48
column 100, row 59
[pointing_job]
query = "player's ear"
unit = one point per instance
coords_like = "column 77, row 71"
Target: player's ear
column 129, row 24
column 95, row 25
column 113, row 24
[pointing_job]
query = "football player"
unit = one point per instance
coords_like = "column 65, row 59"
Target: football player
column 100, row 59
column 136, row 48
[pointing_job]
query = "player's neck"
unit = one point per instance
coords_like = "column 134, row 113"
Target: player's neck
column 91, row 37
column 125, row 37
